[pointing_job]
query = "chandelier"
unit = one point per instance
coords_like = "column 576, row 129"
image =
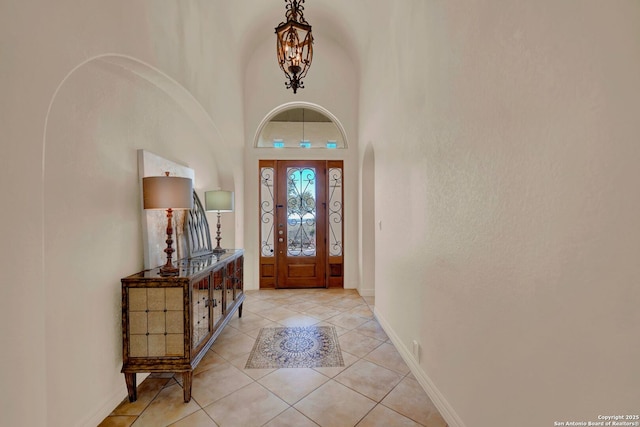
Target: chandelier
column 294, row 45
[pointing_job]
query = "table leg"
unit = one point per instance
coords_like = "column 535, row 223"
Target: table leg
column 186, row 385
column 130, row 379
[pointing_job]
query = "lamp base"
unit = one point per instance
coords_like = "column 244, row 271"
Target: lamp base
column 218, row 249
column 169, row 270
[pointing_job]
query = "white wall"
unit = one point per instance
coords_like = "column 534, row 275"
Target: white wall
column 506, row 151
column 69, row 175
column 40, row 47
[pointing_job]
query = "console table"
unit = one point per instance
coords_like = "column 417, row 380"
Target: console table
column 169, row 323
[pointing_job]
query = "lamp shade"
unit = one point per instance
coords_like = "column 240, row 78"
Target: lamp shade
column 219, row 201
column 167, row 192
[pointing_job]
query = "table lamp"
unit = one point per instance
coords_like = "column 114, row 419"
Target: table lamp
column 218, row 201
column 167, row 192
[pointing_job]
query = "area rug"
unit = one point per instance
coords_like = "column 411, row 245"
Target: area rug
column 296, row 347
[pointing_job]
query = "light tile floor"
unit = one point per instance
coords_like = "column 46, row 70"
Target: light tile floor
column 374, row 388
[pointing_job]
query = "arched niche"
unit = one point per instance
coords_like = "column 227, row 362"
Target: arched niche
column 102, row 112
column 300, row 125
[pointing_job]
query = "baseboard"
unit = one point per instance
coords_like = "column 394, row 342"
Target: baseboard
column 367, row 292
column 445, row 409
column 110, row 404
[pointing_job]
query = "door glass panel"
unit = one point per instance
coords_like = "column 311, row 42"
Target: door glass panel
column 335, row 211
column 267, row 213
column 301, row 211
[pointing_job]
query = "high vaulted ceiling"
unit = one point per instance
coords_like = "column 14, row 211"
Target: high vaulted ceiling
column 345, row 23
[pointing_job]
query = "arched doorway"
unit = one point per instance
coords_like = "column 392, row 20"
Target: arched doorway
column 301, row 201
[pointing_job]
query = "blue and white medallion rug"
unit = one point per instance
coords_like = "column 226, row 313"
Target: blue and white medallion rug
column 296, row 347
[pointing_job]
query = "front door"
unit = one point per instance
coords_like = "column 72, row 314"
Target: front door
column 295, row 212
column 300, row 224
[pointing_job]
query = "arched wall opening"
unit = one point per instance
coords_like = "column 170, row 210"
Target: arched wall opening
column 350, row 181
column 332, row 87
column 101, row 114
column 368, row 223
column 341, row 137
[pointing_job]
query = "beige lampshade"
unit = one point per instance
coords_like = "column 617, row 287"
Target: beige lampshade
column 167, row 192
column 219, row 201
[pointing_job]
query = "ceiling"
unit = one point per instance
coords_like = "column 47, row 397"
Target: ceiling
column 342, row 22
